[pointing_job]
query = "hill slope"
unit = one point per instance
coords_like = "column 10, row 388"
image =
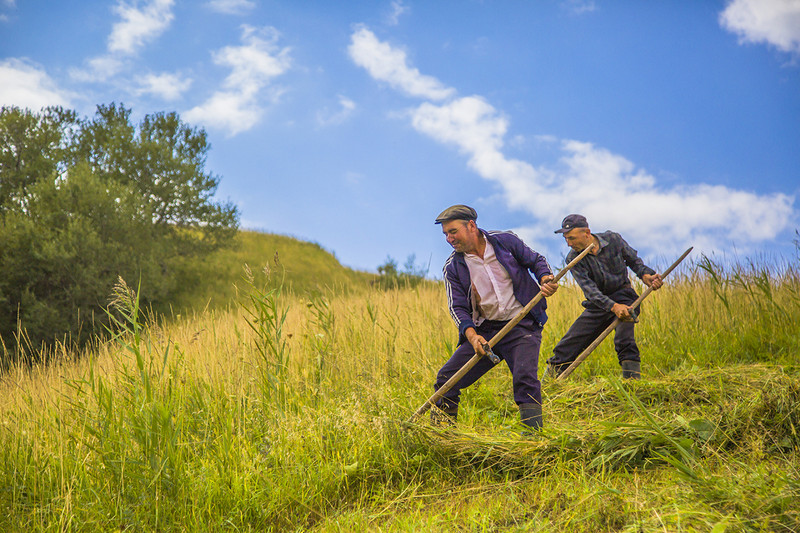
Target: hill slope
column 303, row 266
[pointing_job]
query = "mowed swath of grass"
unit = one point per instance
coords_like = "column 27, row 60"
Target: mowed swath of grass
column 186, row 425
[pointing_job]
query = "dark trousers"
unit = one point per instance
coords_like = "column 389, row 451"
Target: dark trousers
column 519, row 349
column 590, row 324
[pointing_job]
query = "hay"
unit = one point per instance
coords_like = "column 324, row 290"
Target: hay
column 605, row 424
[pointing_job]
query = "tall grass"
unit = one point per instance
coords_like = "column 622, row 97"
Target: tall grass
column 288, row 413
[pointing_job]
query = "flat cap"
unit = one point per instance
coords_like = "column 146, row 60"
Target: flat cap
column 572, row 221
column 457, row 212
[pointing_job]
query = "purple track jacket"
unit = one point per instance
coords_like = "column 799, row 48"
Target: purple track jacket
column 518, row 260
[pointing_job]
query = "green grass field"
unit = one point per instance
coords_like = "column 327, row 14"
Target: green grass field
column 289, row 410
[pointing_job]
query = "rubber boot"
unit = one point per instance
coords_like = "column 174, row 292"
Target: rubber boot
column 444, row 417
column 531, row 415
column 631, row 370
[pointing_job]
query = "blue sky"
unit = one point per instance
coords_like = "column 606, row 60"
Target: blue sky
column 353, row 124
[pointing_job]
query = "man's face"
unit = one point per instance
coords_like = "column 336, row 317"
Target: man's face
column 461, row 235
column 578, row 238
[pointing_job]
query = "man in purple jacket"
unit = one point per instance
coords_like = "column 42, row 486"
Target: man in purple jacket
column 488, row 282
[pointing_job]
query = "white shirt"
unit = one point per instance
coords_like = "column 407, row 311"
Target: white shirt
column 492, row 291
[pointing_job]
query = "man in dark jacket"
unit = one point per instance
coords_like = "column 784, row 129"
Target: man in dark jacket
column 488, row 282
column 603, row 277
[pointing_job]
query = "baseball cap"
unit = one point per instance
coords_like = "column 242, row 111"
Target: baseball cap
column 572, row 221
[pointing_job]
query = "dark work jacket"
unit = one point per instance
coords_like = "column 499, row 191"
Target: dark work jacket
column 601, row 276
column 518, row 260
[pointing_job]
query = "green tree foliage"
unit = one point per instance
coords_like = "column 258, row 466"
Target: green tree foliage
column 392, row 277
column 83, row 202
column 31, row 150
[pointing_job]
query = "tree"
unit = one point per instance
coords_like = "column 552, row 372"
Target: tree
column 31, row 147
column 85, row 201
column 164, row 162
column 410, row 276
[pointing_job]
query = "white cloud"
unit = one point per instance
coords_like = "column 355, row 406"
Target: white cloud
column 139, row 25
column 165, row 85
column 329, row 118
column 353, row 178
column 256, row 62
column 388, row 64
column 579, row 7
column 231, row 7
column 7, row 4
column 469, row 123
column 398, row 9
column 610, row 190
column 226, row 110
column 98, row 68
column 238, row 105
column 775, row 22
column 28, row 86
column 606, row 187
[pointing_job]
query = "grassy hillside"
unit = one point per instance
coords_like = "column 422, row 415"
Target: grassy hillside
column 290, row 413
column 305, row 265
